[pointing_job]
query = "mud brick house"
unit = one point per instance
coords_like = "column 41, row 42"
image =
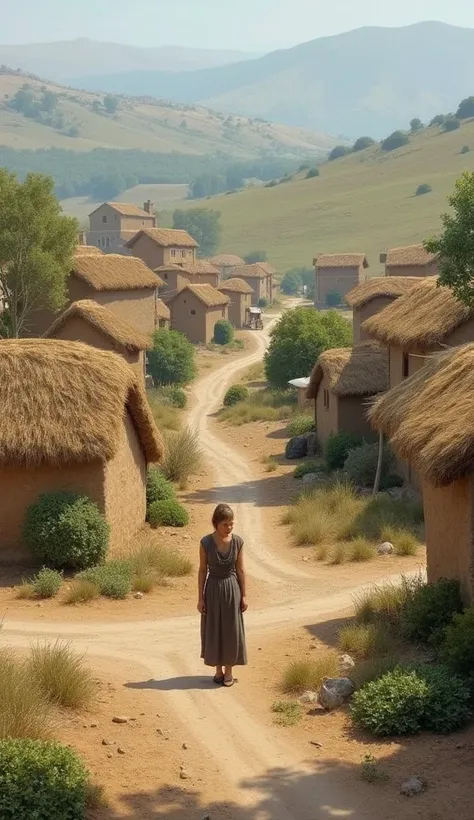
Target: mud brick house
column 410, row 261
column 195, row 310
column 163, row 315
column 429, row 420
column 225, row 263
column 112, row 224
column 369, row 298
column 240, row 295
column 163, row 246
column 260, row 277
column 87, row 321
column 122, row 284
column 205, row 273
column 342, row 383
column 338, row 273
column 74, row 419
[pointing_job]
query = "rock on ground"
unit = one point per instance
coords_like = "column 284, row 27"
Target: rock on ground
column 297, row 447
column 412, row 786
column 308, row 697
column 385, row 549
column 334, row 692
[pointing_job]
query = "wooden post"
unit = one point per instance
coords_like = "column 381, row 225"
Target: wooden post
column 378, row 473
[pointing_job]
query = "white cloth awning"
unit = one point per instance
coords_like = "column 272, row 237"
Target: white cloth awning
column 299, row 382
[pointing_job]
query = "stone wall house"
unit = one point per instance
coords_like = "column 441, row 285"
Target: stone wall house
column 87, row 321
column 76, row 419
column 225, row 263
column 337, row 273
column 195, row 310
column 412, row 260
column 343, row 382
column 429, row 421
column 240, row 295
column 112, row 224
column 122, row 284
column 372, row 296
column 163, row 246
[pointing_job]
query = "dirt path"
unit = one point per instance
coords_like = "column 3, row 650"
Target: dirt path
column 241, row 748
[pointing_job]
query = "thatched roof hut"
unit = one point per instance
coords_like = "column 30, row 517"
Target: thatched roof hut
column 115, row 272
column 411, row 260
column 369, row 298
column 119, row 333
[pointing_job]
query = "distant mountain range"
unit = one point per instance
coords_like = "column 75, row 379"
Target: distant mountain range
column 63, row 60
column 369, row 81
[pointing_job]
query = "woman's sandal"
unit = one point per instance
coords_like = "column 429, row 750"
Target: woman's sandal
column 219, row 679
column 229, row 683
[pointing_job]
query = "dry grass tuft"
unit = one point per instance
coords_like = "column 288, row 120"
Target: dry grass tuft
column 372, row 668
column 363, row 640
column 165, row 416
column 160, row 562
column 361, row 550
column 60, row 673
column 385, row 603
column 269, row 463
column 25, row 710
column 82, row 592
column 262, row 405
column 183, row 455
column 404, row 542
column 304, row 675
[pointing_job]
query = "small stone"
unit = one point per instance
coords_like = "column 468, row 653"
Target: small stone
column 347, row 662
column 119, row 719
column 413, row 786
column 183, row 773
column 138, row 596
column 308, row 697
column 85, row 726
column 185, row 746
column 334, row 692
column 110, row 755
column 106, row 742
column 385, row 549
column 120, row 750
column 94, row 725
column 160, row 732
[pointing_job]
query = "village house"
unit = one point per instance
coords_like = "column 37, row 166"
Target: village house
column 204, row 273
column 87, row 321
column 429, row 420
column 337, row 274
column 225, row 263
column 163, row 246
column 163, row 315
column 372, row 296
column 410, row 261
column 240, row 295
column 260, row 277
column 341, row 385
column 73, row 419
column 122, row 284
column 195, row 310
column 112, row 224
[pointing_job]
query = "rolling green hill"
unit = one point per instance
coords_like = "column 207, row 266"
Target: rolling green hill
column 363, row 202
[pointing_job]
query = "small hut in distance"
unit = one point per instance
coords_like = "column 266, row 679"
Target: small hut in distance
column 372, row 296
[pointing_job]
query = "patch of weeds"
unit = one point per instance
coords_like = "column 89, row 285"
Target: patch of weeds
column 269, row 464
column 114, row 578
column 300, row 676
column 82, row 592
column 307, row 467
column 360, row 549
column 287, row 712
column 61, row 674
column 370, row 771
column 364, row 640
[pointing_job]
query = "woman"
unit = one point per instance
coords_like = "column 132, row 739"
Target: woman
column 222, row 597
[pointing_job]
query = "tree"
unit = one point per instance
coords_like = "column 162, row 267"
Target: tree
column 456, row 243
column 297, row 341
column 396, row 140
column 50, row 102
column 451, row 124
column 362, row 143
column 36, row 247
column 416, row 125
column 110, row 104
column 466, row 109
column 255, row 256
column 171, row 358
column 338, row 152
column 438, row 120
column 312, row 173
column 291, row 282
column 204, row 226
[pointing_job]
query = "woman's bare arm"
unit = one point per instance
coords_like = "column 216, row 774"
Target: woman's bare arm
column 240, row 569
column 202, row 574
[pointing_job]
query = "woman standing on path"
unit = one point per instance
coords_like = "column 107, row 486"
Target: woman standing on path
column 222, row 597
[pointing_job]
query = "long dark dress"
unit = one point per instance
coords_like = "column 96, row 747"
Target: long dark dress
column 222, row 626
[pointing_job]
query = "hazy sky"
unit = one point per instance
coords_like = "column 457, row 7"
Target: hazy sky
column 240, row 24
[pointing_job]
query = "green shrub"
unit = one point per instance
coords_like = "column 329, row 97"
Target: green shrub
column 301, row 424
column 223, row 332
column 263, row 302
column 396, row 140
column 430, row 609
column 361, row 464
column 312, row 173
column 41, row 780
column 167, row 514
column 311, row 466
column 447, row 705
column 66, row 530
column 333, row 298
column 440, row 119
column 158, row 487
column 465, row 149
column 387, row 602
column 114, row 578
column 338, row 447
column 172, row 395
column 362, row 143
column 47, row 583
column 390, row 481
column 235, row 394
column 451, row 124
column 171, row 359
column 457, row 649
column 338, row 151
column 423, row 189
column 183, row 455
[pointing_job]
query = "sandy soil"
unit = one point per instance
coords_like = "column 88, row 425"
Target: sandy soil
column 237, row 763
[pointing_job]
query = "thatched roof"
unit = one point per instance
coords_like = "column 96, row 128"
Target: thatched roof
column 357, row 371
column 410, row 256
column 341, row 260
column 127, row 209
column 63, row 404
column 162, row 310
column 422, row 319
column 165, row 238
column 202, row 266
column 209, row 296
column 87, row 250
column 429, row 417
column 112, row 271
column 173, row 267
column 389, row 286
column 235, row 285
column 256, row 271
column 120, row 333
column 226, row 260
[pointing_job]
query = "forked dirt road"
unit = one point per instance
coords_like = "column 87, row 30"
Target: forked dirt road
column 234, row 742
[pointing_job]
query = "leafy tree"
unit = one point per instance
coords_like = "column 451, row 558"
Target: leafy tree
column 50, row 101
column 255, row 256
column 451, row 124
column 362, row 143
column 36, row 246
column 25, row 102
column 438, row 120
column 97, row 107
column 291, row 282
column 456, row 243
column 171, row 359
column 111, row 104
column 223, row 332
column 312, row 173
column 108, row 185
column 298, row 339
column 396, row 140
column 338, row 152
column 416, row 125
column 207, row 185
column 466, row 109
column 204, row 226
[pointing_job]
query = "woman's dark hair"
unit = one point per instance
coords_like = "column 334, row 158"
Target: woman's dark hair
column 222, row 513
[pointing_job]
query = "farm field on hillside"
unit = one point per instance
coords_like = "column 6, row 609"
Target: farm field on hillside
column 363, row 202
